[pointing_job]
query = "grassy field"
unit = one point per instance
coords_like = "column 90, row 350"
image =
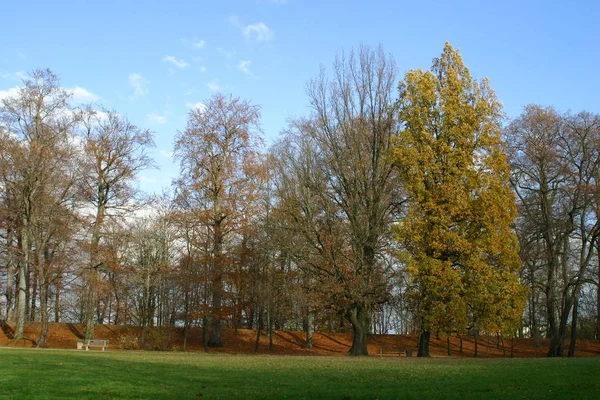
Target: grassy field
column 57, row 374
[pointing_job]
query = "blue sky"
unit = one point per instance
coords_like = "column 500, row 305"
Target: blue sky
column 152, row 60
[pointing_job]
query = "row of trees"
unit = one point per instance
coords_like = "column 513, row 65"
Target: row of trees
column 387, row 208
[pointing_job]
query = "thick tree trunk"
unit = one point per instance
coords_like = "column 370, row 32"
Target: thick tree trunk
column 22, row 285
column 308, row 328
column 424, row 338
column 359, row 318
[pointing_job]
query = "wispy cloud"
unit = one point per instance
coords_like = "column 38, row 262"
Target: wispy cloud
column 82, row 95
column 244, row 66
column 225, row 52
column 258, row 31
column 166, row 154
column 157, row 118
column 139, row 85
column 19, row 75
column 199, row 43
column 213, row 85
column 196, row 106
column 176, row 62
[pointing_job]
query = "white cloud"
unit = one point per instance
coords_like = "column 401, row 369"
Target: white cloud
column 176, row 62
column 199, row 43
column 167, row 154
column 202, row 68
column 139, row 85
column 199, row 105
column 244, row 66
column 213, row 85
column 157, row 118
column 82, row 95
column 12, row 92
column 226, row 53
column 258, row 31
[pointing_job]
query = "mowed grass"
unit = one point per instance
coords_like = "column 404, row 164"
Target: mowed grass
column 61, row 374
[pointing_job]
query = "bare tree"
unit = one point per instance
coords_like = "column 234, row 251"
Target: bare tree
column 555, row 160
column 338, row 186
column 115, row 153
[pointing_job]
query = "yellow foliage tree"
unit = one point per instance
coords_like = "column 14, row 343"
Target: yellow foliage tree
column 457, row 240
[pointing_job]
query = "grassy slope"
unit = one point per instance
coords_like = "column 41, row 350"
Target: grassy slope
column 49, row 374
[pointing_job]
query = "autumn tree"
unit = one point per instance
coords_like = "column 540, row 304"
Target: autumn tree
column 115, row 151
column 38, row 178
column 555, row 160
column 217, row 153
column 457, row 236
column 338, row 188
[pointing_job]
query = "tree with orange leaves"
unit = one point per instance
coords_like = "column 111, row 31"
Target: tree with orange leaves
column 219, row 170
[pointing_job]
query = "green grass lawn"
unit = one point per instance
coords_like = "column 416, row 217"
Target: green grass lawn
column 61, row 374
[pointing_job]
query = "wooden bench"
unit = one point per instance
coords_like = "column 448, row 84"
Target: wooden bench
column 407, row 352
column 92, row 343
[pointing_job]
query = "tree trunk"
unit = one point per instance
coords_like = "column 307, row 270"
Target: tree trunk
column 270, row 328
column 41, row 340
column 9, row 293
column 259, row 327
column 217, row 288
column 57, row 300
column 308, row 328
column 448, row 344
column 424, row 338
column 92, row 278
column 574, row 326
column 359, row 318
column 22, row 285
column 34, row 292
column 598, row 292
column 476, row 344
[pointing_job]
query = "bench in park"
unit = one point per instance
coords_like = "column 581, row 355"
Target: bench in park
column 92, row 343
column 394, row 351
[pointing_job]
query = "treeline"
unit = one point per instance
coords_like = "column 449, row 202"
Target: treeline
column 394, row 205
